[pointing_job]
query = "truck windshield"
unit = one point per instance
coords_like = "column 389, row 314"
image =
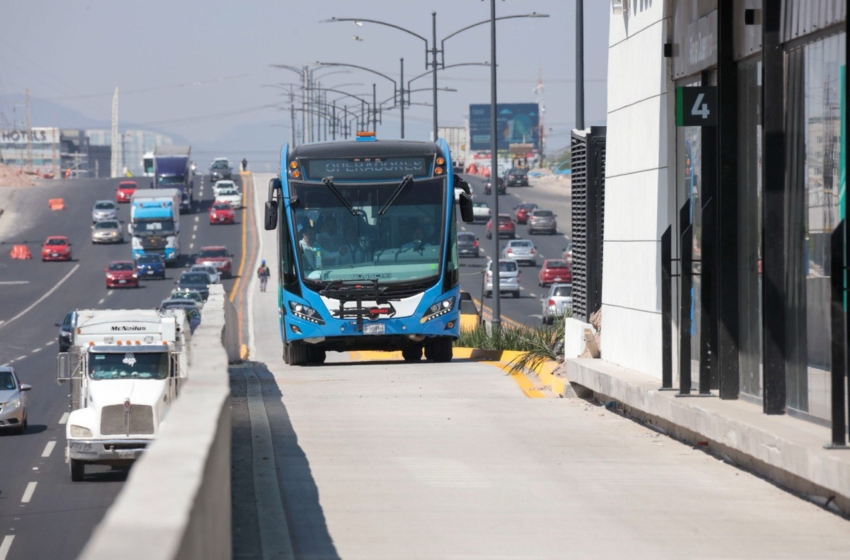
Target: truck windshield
column 153, row 227
column 171, row 180
column 336, row 242
column 129, row 365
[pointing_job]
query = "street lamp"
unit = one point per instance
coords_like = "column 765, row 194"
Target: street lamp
column 422, row 75
column 433, row 64
column 395, row 85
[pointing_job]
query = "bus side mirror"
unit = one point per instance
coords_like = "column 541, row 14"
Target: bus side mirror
column 466, row 212
column 63, row 367
column 271, row 215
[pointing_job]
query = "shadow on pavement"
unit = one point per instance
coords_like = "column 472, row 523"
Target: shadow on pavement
column 299, row 494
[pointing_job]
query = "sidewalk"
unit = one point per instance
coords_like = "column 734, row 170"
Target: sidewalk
column 783, row 449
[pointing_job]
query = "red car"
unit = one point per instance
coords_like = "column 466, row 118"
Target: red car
column 523, row 211
column 121, row 274
column 222, row 213
column 56, row 248
column 125, row 190
column 554, row 271
column 507, row 228
column 217, row 256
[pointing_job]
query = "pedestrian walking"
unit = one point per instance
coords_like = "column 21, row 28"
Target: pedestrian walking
column 244, row 164
column 263, row 274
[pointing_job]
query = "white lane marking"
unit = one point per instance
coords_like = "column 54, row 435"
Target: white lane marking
column 42, row 298
column 195, row 228
column 6, row 364
column 30, row 490
column 48, row 449
column 191, row 245
column 64, row 418
column 196, row 218
column 5, row 546
column 34, row 350
column 109, row 293
column 533, row 295
column 101, row 300
column 19, row 358
column 13, row 282
column 193, row 236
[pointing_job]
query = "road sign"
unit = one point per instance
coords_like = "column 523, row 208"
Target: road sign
column 696, row 106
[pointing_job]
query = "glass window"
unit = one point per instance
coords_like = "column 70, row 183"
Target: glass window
column 210, row 253
column 816, row 101
column 403, row 243
column 129, row 365
column 749, row 226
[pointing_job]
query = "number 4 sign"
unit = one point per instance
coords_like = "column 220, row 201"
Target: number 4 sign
column 696, row 106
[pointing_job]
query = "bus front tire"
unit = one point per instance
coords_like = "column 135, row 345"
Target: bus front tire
column 441, row 350
column 315, row 356
column 298, row 354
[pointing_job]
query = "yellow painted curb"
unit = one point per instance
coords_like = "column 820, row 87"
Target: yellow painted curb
column 243, row 351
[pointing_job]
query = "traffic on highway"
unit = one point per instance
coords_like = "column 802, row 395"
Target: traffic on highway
column 65, row 449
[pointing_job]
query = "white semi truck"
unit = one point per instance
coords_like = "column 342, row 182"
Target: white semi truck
column 125, row 367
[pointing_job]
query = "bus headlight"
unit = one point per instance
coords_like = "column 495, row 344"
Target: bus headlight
column 438, row 309
column 305, row 312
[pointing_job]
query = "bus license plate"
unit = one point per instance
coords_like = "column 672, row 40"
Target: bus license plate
column 377, row 328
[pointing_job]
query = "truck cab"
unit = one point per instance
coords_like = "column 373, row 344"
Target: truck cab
column 173, row 169
column 155, row 223
column 125, row 369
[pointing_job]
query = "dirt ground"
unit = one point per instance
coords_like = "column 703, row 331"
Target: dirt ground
column 11, row 178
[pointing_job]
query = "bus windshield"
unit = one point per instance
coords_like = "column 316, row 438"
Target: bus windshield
column 343, row 236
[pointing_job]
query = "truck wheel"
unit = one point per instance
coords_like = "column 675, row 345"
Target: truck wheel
column 412, row 353
column 441, row 350
column 78, row 470
column 297, row 354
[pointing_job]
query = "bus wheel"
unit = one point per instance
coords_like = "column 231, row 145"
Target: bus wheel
column 286, row 352
column 315, row 355
column 298, row 354
column 412, row 353
column 441, row 350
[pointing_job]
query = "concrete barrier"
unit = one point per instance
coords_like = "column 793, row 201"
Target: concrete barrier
column 176, row 502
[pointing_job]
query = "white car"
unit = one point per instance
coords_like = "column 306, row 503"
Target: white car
column 481, row 212
column 215, row 277
column 232, row 196
column 219, row 186
column 509, row 276
column 521, row 251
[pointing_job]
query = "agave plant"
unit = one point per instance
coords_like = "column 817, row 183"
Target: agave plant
column 540, row 345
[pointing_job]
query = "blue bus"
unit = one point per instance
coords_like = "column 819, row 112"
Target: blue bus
column 367, row 248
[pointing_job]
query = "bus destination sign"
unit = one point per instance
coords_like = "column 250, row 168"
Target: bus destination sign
column 364, row 169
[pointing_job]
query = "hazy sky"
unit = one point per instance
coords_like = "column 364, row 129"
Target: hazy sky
column 196, row 68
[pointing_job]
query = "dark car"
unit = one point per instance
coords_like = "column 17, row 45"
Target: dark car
column 467, row 245
column 516, row 177
column 151, row 265
column 220, row 169
column 198, row 281
column 66, row 331
column 501, row 188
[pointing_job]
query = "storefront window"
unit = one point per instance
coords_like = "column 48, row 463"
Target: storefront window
column 749, row 225
column 815, row 102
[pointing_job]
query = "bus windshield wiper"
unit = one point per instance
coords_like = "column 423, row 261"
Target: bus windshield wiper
column 408, row 180
column 329, row 183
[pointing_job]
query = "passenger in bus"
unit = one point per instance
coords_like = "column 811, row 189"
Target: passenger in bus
column 328, row 239
column 312, row 253
column 417, row 241
column 352, row 251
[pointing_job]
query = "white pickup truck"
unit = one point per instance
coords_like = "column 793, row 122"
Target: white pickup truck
column 125, row 367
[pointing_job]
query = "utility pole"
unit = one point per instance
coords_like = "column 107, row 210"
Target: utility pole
column 580, row 64
column 434, row 66
column 374, row 110
column 305, row 105
column 494, row 174
column 292, row 122
column 29, row 134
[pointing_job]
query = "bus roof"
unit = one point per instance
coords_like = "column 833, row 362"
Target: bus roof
column 353, row 148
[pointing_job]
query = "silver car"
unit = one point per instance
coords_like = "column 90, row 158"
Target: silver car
column 104, row 210
column 13, row 401
column 557, row 303
column 509, row 275
column 215, row 278
column 520, row 251
column 542, row 221
column 107, row 231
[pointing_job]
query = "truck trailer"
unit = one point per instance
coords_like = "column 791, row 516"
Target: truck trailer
column 173, row 169
column 125, row 367
column 155, row 223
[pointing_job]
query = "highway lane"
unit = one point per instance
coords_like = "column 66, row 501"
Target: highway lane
column 526, row 309
column 60, row 516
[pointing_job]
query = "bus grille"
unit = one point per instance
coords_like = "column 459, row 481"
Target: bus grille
column 112, row 420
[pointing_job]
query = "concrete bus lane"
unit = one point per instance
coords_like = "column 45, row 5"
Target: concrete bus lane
column 58, row 516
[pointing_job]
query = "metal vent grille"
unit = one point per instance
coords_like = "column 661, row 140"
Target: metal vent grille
column 588, row 211
column 112, row 420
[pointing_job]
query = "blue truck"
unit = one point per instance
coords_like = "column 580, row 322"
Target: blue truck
column 155, row 223
column 172, row 169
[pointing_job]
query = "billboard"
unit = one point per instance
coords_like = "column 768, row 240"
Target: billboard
column 516, row 123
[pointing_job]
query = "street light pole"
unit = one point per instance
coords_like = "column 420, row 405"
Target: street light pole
column 434, row 66
column 402, row 98
column 580, row 64
column 494, row 175
column 374, row 110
